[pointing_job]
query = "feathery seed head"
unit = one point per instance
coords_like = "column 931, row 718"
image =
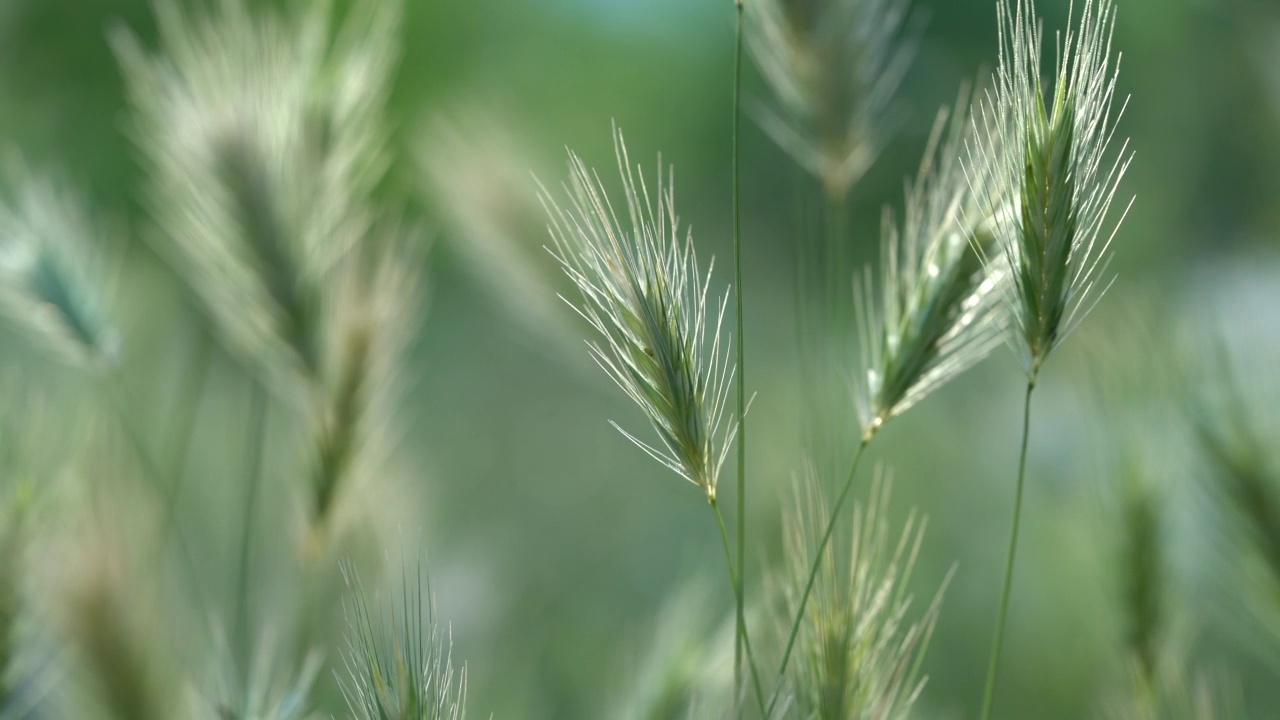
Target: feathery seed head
column 1050, row 151
column 264, row 692
column 937, row 312
column 398, row 662
column 476, row 171
column 833, row 66
column 264, row 142
column 860, row 650
column 373, row 322
column 47, row 269
column 642, row 291
column 112, row 624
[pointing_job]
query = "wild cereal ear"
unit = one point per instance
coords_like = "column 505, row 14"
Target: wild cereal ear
column 1050, row 147
column 263, row 138
column 937, row 313
column 51, row 275
column 399, row 659
column 862, row 635
column 641, row 289
column 834, row 68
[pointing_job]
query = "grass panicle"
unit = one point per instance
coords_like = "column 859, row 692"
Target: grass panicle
column 474, row 165
column 1144, row 571
column 1055, row 163
column 641, row 289
column 398, row 663
column 374, row 319
column 263, row 138
column 112, row 623
column 271, row 693
column 1180, row 692
column 1243, row 483
column 862, row 636
column 937, row 313
column 833, row 67
column 51, row 279
column 677, row 659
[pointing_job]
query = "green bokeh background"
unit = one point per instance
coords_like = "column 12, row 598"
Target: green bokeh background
column 553, row 542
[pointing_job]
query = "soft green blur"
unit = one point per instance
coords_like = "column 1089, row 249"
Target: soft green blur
column 555, row 545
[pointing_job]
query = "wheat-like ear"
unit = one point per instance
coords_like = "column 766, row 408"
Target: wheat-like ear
column 1053, row 154
column 51, row 281
column 265, row 690
column 263, row 139
column 936, row 314
column 641, row 289
column 398, row 661
column 834, row 67
column 862, row 636
column 374, row 319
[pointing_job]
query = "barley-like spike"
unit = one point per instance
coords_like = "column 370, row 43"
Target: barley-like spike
column 642, row 291
column 398, row 662
column 272, row 692
column 264, row 141
column 1143, row 570
column 373, row 322
column 860, row 648
column 936, row 315
column 1049, row 148
column 833, row 67
column 49, row 282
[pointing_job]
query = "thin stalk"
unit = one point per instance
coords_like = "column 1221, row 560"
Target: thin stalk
column 988, row 695
column 184, row 424
column 740, row 590
column 255, row 446
column 813, row 572
column 742, row 625
column 118, row 397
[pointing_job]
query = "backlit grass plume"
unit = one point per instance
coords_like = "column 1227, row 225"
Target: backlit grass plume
column 1234, row 427
column 641, row 289
column 266, row 690
column 263, row 139
column 862, row 636
column 1051, row 148
column 475, row 169
column 833, row 66
column 374, row 319
column 936, row 314
column 50, row 280
column 398, row 663
column 1049, row 152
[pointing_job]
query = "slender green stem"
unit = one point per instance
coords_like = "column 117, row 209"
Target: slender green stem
column 118, row 397
column 740, row 590
column 988, row 695
column 742, row 625
column 255, row 447
column 184, row 424
column 813, row 571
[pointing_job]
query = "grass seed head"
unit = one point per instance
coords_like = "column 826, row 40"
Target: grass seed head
column 375, row 319
column 641, row 289
column 268, row 690
column 50, row 280
column 398, row 662
column 860, row 648
column 937, row 311
column 1050, row 148
column 834, row 67
column 264, row 140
